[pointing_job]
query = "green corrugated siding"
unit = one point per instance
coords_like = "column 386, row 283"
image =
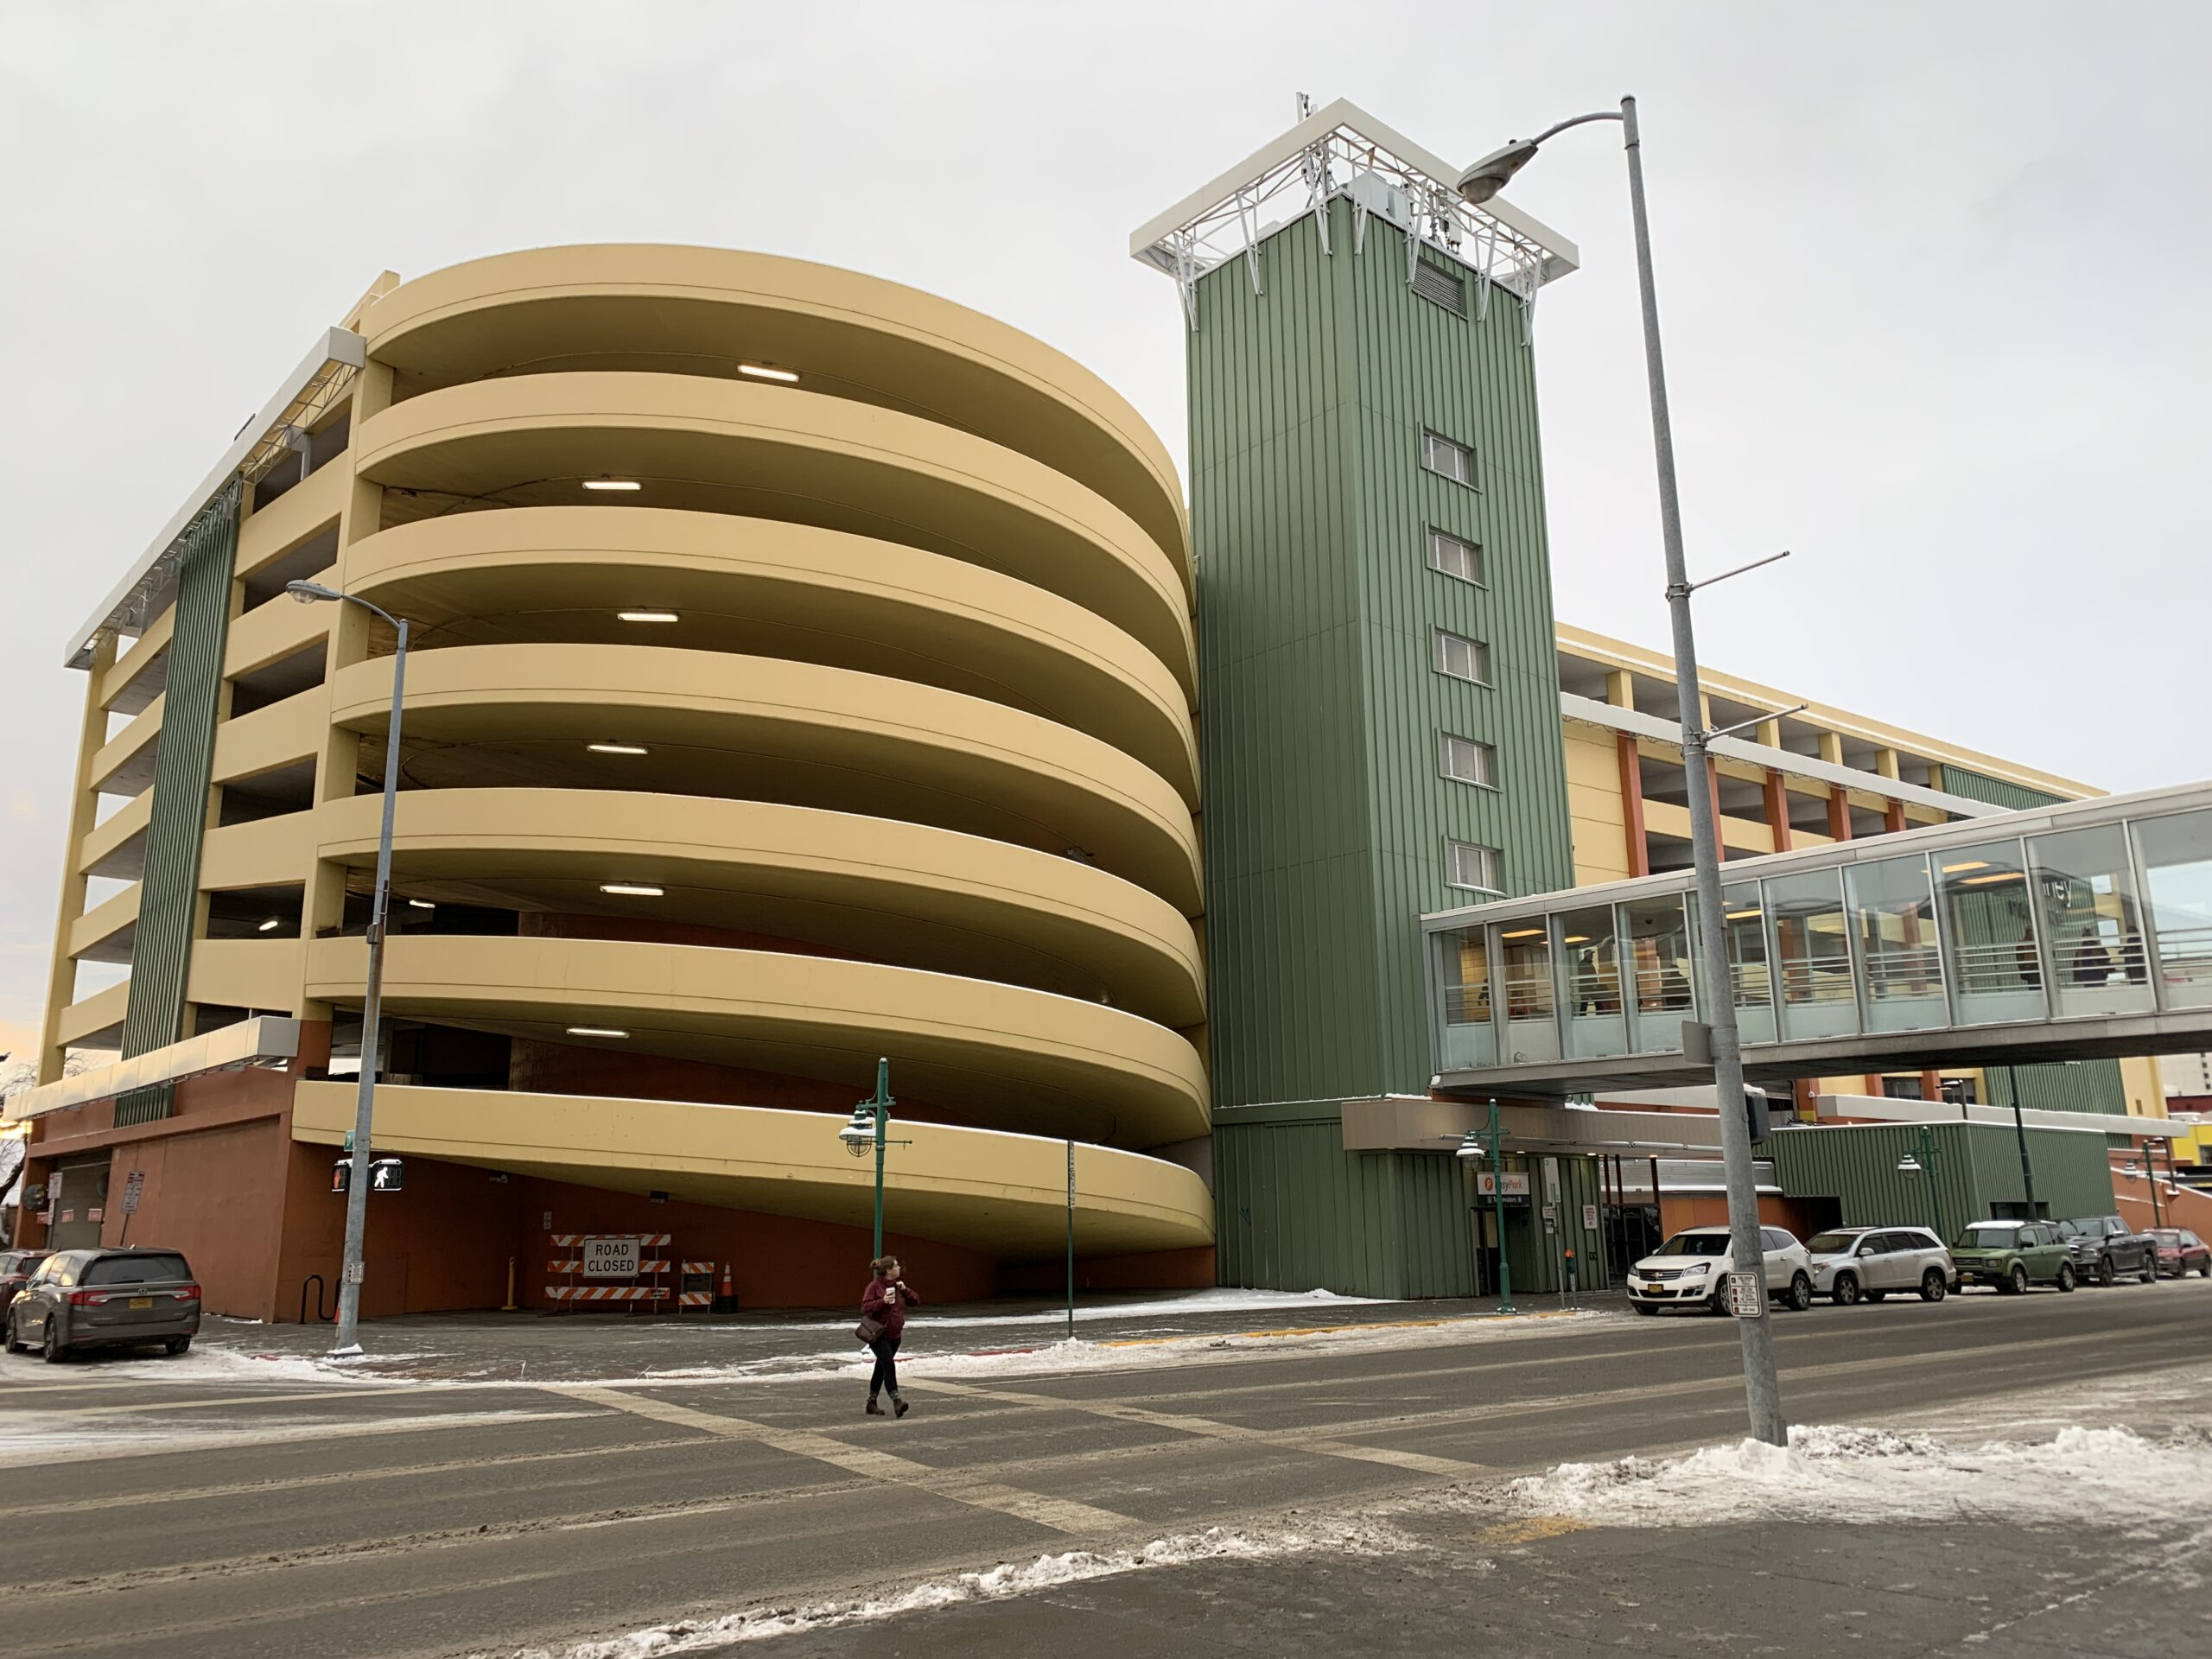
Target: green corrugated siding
column 2060, row 1086
column 1977, row 1166
column 1975, row 786
column 1325, row 814
column 161, row 957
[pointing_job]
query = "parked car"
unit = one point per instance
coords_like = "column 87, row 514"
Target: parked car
column 2105, row 1246
column 2181, row 1252
column 16, row 1269
column 2014, row 1255
column 1852, row 1262
column 1691, row 1270
column 104, row 1298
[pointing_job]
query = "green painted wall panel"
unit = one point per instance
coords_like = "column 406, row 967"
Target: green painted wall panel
column 1977, row 1166
column 1326, row 814
column 2062, row 1086
column 1975, row 786
column 160, row 957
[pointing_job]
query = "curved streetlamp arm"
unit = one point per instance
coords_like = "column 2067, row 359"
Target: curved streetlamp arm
column 1576, row 121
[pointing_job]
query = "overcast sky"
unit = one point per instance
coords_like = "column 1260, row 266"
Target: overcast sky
column 1933, row 280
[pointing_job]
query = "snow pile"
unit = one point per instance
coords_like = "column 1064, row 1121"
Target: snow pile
column 995, row 1584
column 1871, row 1475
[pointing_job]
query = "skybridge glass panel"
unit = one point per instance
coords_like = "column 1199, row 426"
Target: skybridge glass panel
column 1590, row 973
column 1523, row 956
column 1660, row 972
column 1990, row 952
column 1893, row 917
column 2175, row 854
column 2092, row 931
column 1750, row 968
column 1470, row 1026
column 1811, row 944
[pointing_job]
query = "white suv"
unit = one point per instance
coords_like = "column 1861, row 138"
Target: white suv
column 1691, row 1270
column 1852, row 1262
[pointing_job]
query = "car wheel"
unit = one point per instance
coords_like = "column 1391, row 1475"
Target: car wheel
column 52, row 1349
column 2150, row 1270
column 2204, row 1268
column 14, row 1344
column 1644, row 1307
column 1846, row 1290
column 1800, row 1295
column 2017, row 1279
column 2065, row 1279
column 176, row 1345
column 1718, row 1304
column 2105, row 1274
column 1932, row 1285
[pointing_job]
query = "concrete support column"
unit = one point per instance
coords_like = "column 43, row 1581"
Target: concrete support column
column 1639, row 844
column 1777, row 810
column 1839, row 813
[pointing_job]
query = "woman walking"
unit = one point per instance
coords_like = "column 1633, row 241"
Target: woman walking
column 883, row 1319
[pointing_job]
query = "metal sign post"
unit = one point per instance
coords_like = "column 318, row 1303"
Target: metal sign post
column 1071, row 1238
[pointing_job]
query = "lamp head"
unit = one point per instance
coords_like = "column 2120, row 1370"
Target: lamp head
column 309, row 592
column 1470, row 1146
column 1491, row 173
column 859, row 1133
column 1907, row 1165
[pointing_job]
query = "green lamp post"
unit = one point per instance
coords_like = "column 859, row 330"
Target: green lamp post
column 870, row 1126
column 1490, row 1142
column 1908, row 1165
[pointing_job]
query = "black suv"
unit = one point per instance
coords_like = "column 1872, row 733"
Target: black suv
column 2104, row 1247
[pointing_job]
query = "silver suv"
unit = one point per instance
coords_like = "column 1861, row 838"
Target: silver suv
column 1855, row 1263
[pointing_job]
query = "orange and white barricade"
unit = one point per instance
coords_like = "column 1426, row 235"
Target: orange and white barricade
column 623, row 1269
column 695, row 1288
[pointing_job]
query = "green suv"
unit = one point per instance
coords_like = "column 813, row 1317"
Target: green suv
column 2014, row 1255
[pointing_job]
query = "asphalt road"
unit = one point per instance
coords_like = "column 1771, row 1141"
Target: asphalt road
column 145, row 1516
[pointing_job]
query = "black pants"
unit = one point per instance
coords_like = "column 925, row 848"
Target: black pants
column 885, row 1350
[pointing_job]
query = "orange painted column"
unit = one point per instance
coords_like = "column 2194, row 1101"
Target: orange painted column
column 1893, row 817
column 1778, row 811
column 1839, row 813
column 1931, row 1085
column 1639, row 848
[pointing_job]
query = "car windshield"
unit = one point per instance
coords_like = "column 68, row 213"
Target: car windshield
column 1992, row 1238
column 1695, row 1244
column 1832, row 1243
column 2165, row 1235
column 153, row 1268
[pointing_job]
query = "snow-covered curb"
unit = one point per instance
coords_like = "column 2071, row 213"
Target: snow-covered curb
column 995, row 1584
column 2095, row 1475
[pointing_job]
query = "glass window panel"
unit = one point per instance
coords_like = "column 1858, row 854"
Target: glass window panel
column 1989, row 937
column 1470, row 1037
column 2093, row 935
column 1743, row 917
column 1893, row 914
column 1660, row 972
column 1524, row 976
column 1812, row 955
column 1590, row 968
column 2177, row 858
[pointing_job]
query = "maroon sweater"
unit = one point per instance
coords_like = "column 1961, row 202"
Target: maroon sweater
column 877, row 1302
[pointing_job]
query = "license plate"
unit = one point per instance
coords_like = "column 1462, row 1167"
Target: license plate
column 137, row 1302
column 1965, row 1278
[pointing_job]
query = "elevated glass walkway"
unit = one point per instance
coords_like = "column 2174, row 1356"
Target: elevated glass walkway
column 2080, row 931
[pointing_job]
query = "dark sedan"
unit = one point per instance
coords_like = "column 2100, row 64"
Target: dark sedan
column 16, row 1269
column 2181, row 1253
column 105, row 1299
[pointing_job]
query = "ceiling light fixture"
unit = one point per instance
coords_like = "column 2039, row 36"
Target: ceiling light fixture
column 648, row 616
column 597, row 1030
column 762, row 371
column 618, row 748
column 1524, row 933
column 1992, row 881
column 630, row 890
column 1971, row 864
column 603, row 483
column 420, row 903
column 272, row 925
column 1742, row 915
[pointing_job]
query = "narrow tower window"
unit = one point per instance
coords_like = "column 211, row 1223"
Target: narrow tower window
column 1462, row 659
column 1466, row 865
column 1467, row 761
column 1455, row 558
column 1446, row 459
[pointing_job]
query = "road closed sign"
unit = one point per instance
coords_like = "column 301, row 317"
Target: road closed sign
column 610, row 1258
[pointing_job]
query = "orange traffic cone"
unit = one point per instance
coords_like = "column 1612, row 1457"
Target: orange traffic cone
column 726, row 1301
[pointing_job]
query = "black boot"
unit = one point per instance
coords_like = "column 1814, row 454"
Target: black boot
column 875, row 1408
column 899, row 1406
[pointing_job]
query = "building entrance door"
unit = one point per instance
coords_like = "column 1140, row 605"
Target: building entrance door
column 76, row 1199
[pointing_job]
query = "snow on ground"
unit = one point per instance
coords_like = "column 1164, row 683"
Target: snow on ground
column 2096, row 1475
column 997, row 1583
column 1196, row 1302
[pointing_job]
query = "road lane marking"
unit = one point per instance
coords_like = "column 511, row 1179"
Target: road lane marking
column 41, row 1449
column 1321, row 1441
column 1061, row 1515
column 632, row 1520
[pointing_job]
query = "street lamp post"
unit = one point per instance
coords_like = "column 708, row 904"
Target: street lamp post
column 1925, row 1162
column 870, row 1125
column 1761, row 1389
column 1476, row 1145
column 354, row 1269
